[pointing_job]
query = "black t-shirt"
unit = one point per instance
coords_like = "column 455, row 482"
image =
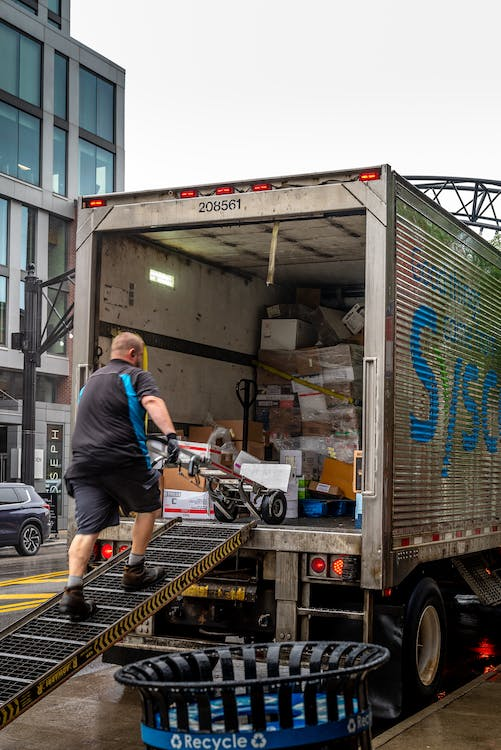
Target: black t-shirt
column 109, row 430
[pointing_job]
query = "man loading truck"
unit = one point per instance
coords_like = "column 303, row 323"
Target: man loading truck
column 111, row 467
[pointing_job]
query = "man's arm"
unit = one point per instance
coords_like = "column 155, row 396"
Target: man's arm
column 157, row 410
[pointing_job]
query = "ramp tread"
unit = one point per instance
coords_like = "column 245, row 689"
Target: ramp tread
column 44, row 648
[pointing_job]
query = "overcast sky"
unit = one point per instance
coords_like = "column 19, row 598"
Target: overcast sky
column 232, row 89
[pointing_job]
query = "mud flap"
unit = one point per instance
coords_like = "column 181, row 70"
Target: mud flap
column 385, row 685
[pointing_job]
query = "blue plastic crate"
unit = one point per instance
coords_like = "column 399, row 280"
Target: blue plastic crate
column 313, row 508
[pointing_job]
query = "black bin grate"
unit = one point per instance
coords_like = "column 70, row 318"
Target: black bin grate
column 277, row 695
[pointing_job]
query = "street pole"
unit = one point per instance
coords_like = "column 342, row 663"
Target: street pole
column 31, row 350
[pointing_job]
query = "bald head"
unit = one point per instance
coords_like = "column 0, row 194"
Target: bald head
column 128, row 346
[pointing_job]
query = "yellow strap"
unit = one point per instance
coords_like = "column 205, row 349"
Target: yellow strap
column 301, row 381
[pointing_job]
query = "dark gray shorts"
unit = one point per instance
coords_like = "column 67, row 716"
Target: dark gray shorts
column 98, row 499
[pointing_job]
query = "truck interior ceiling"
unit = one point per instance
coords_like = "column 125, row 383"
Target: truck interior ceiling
column 327, row 251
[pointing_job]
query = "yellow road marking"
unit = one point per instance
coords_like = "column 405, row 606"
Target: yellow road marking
column 27, row 600
column 40, row 578
column 20, row 606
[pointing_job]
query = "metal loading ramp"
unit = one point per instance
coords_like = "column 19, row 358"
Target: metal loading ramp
column 44, row 649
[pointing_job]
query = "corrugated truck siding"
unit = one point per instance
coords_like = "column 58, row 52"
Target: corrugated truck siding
column 447, row 468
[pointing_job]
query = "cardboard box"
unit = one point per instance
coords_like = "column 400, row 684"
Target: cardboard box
column 299, row 311
column 308, row 296
column 325, row 489
column 193, row 505
column 255, row 449
column 174, row 480
column 236, row 427
column 338, row 473
column 286, row 333
column 285, row 422
column 295, row 459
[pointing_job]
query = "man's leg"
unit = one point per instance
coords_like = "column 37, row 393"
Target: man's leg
column 142, row 531
column 136, row 574
column 80, row 552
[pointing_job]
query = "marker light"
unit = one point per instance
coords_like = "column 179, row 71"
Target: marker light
column 188, row 194
column 225, row 190
column 93, row 202
column 375, row 174
column 106, row 551
column 260, row 186
column 318, row 565
column 337, row 566
column 123, row 547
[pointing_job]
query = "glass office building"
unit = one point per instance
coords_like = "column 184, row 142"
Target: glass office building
column 61, row 135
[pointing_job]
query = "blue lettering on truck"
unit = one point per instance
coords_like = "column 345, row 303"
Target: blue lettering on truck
column 474, row 387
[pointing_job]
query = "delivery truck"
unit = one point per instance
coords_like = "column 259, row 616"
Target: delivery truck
column 367, row 319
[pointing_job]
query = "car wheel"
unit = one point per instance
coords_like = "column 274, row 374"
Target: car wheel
column 30, row 540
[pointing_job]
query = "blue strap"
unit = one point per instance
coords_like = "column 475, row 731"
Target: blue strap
column 136, row 415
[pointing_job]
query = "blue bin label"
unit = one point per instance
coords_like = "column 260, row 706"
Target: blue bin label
column 248, row 740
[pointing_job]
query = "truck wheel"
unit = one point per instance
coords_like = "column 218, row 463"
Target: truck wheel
column 274, row 507
column 30, row 540
column 424, row 641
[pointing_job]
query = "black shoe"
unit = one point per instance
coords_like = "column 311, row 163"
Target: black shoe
column 76, row 605
column 139, row 576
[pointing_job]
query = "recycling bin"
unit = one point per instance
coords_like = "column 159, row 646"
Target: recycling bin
column 310, row 694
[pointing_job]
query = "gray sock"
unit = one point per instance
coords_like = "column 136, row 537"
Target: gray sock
column 74, row 581
column 135, row 559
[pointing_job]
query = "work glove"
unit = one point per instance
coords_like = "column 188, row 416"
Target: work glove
column 172, row 448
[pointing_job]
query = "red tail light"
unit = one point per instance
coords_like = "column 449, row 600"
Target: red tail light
column 123, row 547
column 375, row 174
column 188, row 194
column 106, row 550
column 260, row 186
column 93, row 202
column 225, row 190
column 318, row 565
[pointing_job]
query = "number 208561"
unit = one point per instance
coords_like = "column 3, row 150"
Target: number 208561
column 213, row 206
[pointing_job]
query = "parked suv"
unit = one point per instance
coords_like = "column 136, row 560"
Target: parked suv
column 24, row 518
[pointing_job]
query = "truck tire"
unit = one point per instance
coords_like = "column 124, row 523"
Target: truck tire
column 424, row 642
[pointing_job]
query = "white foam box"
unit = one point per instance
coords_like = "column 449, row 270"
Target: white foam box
column 286, row 333
column 192, row 505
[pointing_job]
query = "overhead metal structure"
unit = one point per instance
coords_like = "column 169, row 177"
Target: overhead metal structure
column 474, row 201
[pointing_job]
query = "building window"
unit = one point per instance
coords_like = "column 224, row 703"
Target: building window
column 96, row 169
column 4, row 230
column 97, row 105
column 54, row 13
column 58, row 247
column 3, row 310
column 28, row 222
column 20, row 72
column 30, row 5
column 59, row 162
column 60, row 86
column 19, row 144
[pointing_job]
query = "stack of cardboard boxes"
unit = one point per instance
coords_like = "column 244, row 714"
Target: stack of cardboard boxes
column 309, row 396
column 307, row 410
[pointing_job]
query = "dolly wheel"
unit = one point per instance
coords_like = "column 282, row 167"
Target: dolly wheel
column 274, row 507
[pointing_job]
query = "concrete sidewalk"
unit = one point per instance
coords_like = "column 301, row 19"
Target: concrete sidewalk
column 468, row 719
column 91, row 710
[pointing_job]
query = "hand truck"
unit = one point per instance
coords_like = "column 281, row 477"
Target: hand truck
column 258, row 491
